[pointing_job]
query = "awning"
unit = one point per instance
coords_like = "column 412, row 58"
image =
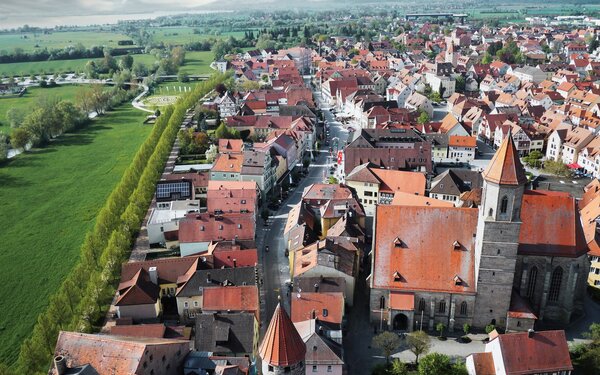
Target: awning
column 402, row 301
column 574, row 166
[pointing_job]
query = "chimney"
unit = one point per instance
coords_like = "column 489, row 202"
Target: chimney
column 153, row 271
column 530, row 333
column 60, row 363
column 316, row 287
column 208, row 278
column 234, row 263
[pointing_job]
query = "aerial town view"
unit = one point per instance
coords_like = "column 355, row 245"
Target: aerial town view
column 279, row 187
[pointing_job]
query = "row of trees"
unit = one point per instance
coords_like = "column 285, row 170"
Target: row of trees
column 77, row 51
column 81, row 302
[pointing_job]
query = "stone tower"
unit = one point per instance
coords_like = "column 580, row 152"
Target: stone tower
column 451, row 56
column 282, row 350
column 498, row 229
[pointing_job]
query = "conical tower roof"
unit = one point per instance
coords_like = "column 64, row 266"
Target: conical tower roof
column 505, row 167
column 282, row 345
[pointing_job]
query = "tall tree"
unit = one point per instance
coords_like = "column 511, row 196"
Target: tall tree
column 387, row 342
column 419, row 343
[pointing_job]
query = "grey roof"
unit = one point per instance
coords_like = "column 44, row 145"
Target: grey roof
column 437, row 140
column 325, row 284
column 217, row 277
column 296, row 110
column 81, row 370
column 227, row 333
column 254, row 163
column 456, row 181
column 370, row 137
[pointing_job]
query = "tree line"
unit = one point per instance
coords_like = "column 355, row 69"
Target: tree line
column 52, row 116
column 77, row 51
column 81, row 302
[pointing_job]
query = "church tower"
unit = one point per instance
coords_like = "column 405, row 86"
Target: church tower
column 451, row 56
column 498, row 229
column 282, row 350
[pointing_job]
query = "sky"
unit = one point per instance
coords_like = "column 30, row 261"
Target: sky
column 14, row 13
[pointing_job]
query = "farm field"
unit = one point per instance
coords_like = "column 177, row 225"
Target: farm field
column 198, row 63
column 50, row 199
column 58, row 66
column 67, row 92
column 183, row 35
column 59, row 39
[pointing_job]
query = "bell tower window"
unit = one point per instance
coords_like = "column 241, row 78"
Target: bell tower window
column 504, row 205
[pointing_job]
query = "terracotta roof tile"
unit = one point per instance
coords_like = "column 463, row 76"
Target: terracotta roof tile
column 282, row 345
column 326, row 307
column 421, row 261
column 544, row 352
column 484, row 363
column 234, row 298
column 505, row 168
column 551, row 225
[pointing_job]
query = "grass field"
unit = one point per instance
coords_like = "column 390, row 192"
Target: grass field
column 50, row 198
column 58, row 66
column 167, row 93
column 28, row 101
column 183, row 35
column 59, row 39
column 198, row 63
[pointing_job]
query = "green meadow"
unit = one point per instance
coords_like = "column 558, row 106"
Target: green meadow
column 50, row 199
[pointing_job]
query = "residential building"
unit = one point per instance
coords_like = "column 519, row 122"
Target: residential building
column 324, row 355
column 400, row 149
column 258, row 166
column 227, row 334
column 461, row 149
column 452, row 183
column 227, row 167
column 232, row 197
column 83, row 353
column 378, row 186
column 526, row 353
column 197, row 231
column 163, row 223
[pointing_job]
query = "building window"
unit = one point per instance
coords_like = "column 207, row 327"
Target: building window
column 314, row 368
column 195, row 303
column 504, row 205
column 382, row 302
column 555, row 284
column 531, row 282
column 442, row 307
column 329, row 369
column 422, row 304
column 185, row 304
column 463, row 308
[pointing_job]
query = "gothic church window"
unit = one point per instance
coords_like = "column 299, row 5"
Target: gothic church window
column 555, row 284
column 504, row 205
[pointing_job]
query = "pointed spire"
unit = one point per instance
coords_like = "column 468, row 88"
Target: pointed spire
column 282, row 345
column 505, row 168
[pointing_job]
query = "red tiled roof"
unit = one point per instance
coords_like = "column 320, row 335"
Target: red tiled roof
column 228, row 163
column 544, row 352
column 409, row 259
column 406, row 199
column 484, row 363
column 462, row 141
column 505, row 168
column 551, row 225
column 326, row 307
column 207, row 227
column 282, row 345
column 402, row 301
column 234, row 298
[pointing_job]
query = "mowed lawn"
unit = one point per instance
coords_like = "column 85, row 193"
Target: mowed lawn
column 198, row 63
column 31, row 97
column 49, row 199
column 59, row 66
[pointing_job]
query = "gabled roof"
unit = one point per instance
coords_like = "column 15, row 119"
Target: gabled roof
column 505, row 167
column 117, row 355
column 543, row 352
column 424, row 262
column 282, row 345
column 231, row 298
column 326, row 307
column 138, row 290
column 320, row 350
column 551, row 225
column 225, row 333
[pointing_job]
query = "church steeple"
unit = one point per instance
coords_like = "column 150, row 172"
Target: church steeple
column 505, row 167
column 282, row 347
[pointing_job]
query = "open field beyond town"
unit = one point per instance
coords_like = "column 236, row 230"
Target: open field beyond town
column 198, row 63
column 50, row 198
column 33, row 94
column 59, row 39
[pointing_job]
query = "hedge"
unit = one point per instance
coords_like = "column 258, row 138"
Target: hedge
column 81, row 302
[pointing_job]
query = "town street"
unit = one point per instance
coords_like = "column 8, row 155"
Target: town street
column 275, row 271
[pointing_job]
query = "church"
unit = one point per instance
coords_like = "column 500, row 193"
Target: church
column 516, row 260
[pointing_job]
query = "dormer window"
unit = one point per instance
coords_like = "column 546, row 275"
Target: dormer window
column 397, row 276
column 398, row 242
column 456, row 245
column 202, row 228
column 457, row 280
column 220, row 227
